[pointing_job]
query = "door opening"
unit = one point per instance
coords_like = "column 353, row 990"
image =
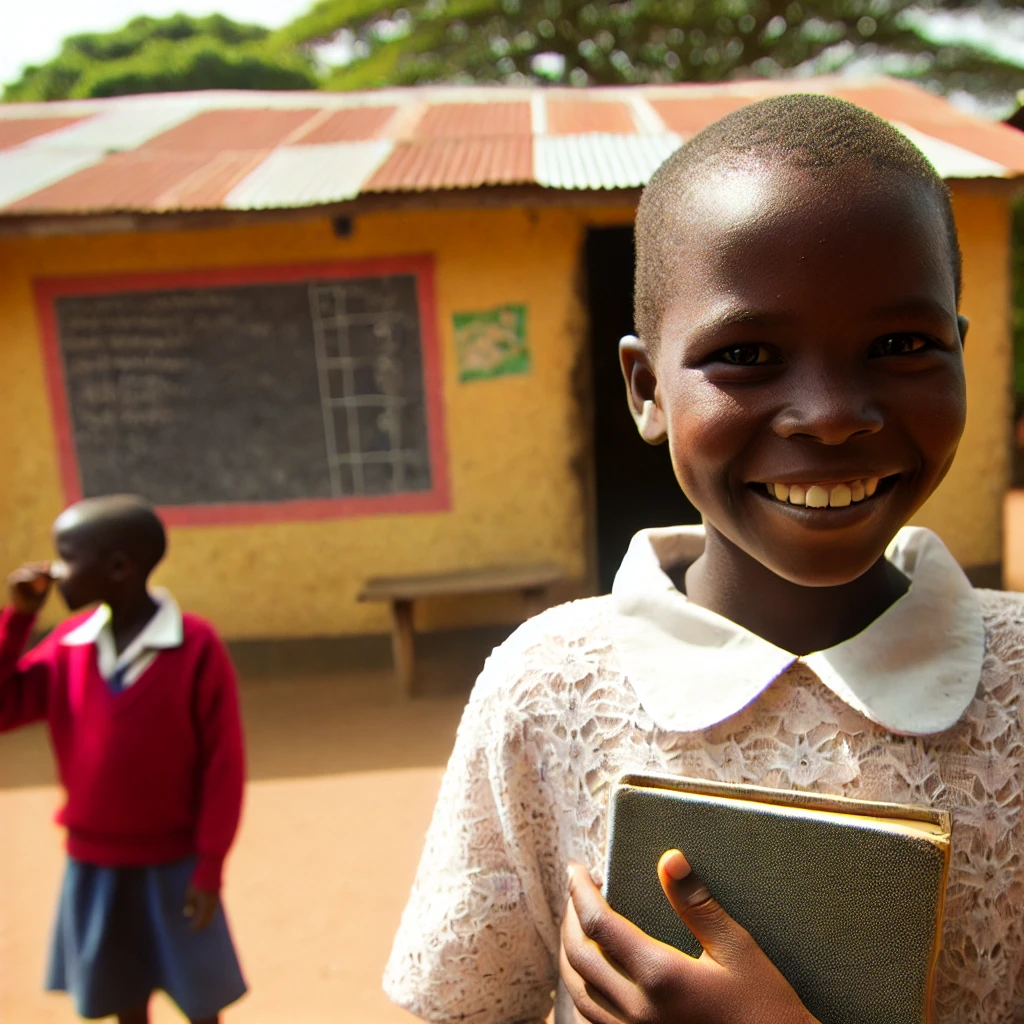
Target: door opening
column 635, row 486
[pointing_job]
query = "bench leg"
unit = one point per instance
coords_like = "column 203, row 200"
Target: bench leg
column 402, row 645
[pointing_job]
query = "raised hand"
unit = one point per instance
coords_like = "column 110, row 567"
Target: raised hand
column 28, row 587
column 616, row 974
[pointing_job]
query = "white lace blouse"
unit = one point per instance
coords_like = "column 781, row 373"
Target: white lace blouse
column 924, row 706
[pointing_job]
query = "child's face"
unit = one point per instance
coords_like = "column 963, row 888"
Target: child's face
column 84, row 579
column 811, row 342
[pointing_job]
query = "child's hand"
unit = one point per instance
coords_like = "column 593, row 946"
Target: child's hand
column 200, row 906
column 28, row 587
column 618, row 975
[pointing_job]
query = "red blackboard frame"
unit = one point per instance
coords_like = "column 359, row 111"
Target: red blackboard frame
column 437, row 499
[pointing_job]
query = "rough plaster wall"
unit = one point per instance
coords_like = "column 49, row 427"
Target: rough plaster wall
column 513, row 442
column 967, row 509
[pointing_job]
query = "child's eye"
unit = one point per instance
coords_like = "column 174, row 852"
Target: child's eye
column 899, row 345
column 745, row 355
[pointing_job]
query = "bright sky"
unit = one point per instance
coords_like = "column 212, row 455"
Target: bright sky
column 33, row 29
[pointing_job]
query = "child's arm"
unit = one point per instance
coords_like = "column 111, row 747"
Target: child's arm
column 24, row 678
column 614, row 972
column 477, row 941
column 218, row 720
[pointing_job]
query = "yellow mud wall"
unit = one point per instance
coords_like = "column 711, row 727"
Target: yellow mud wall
column 967, row 509
column 514, row 443
column 517, row 445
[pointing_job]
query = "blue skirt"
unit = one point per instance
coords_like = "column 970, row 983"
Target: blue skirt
column 120, row 935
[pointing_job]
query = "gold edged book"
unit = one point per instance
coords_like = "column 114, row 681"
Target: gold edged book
column 844, row 896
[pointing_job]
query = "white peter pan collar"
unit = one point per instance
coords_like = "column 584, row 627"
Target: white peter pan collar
column 164, row 630
column 914, row 670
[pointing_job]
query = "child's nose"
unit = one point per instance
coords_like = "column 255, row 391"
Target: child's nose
column 830, row 412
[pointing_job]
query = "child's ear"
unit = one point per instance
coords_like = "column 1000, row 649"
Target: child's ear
column 642, row 390
column 963, row 323
column 119, row 566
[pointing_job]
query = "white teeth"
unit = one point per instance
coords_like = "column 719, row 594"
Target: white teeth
column 841, row 496
column 824, row 495
column 817, row 497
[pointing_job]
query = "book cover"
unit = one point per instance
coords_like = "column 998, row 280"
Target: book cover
column 845, row 897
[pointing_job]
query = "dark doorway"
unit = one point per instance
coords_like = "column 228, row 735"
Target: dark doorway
column 634, row 482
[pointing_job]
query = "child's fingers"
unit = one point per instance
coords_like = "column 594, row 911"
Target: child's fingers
column 591, row 1006
column 723, row 939
column 200, row 907
column 621, row 942
column 587, row 960
column 36, row 574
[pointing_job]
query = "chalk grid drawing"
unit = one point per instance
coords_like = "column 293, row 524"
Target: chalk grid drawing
column 491, row 343
column 371, row 388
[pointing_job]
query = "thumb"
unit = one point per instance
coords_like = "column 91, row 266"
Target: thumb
column 723, row 939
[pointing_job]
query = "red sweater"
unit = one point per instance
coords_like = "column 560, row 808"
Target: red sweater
column 152, row 774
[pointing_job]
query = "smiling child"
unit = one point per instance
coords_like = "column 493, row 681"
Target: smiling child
column 797, row 292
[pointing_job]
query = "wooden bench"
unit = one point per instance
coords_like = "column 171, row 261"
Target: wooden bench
column 402, row 591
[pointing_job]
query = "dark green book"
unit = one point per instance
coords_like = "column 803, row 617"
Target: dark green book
column 845, row 897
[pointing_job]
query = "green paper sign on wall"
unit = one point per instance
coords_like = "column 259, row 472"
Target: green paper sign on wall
column 491, row 343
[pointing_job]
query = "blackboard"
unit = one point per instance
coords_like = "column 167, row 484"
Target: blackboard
column 250, row 393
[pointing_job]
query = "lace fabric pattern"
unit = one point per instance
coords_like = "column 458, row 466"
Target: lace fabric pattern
column 553, row 722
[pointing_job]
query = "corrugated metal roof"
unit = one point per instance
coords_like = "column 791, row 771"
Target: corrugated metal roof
column 15, row 132
column 455, row 163
column 474, row 120
column 576, row 117
column 45, row 160
column 949, row 160
column 309, row 175
column 600, row 160
column 137, row 180
column 215, row 130
column 354, row 125
column 687, row 115
column 249, row 150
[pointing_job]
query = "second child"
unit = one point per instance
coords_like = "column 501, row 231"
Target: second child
column 142, row 708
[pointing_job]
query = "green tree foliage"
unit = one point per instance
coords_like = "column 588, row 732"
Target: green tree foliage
column 585, row 42
column 166, row 55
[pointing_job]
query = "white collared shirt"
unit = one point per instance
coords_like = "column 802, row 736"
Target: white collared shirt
column 164, row 631
column 914, row 669
column 925, row 706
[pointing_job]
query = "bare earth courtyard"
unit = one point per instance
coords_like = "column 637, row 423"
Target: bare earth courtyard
column 343, row 776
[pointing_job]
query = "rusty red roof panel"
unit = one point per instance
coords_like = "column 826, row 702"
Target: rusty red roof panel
column 688, row 116
column 474, row 120
column 206, row 187
column 941, row 120
column 124, row 181
column 18, row 130
column 577, row 117
column 227, row 145
column 357, row 124
column 455, row 163
column 245, row 128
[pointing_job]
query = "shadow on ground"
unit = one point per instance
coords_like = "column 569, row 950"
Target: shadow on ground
column 325, row 706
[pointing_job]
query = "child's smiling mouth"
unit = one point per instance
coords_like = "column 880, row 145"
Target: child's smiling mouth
column 826, row 494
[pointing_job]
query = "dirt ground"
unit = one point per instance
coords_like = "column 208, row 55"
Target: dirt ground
column 343, row 777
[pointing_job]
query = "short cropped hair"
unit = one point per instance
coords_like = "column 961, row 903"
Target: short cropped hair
column 124, row 522
column 821, row 134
